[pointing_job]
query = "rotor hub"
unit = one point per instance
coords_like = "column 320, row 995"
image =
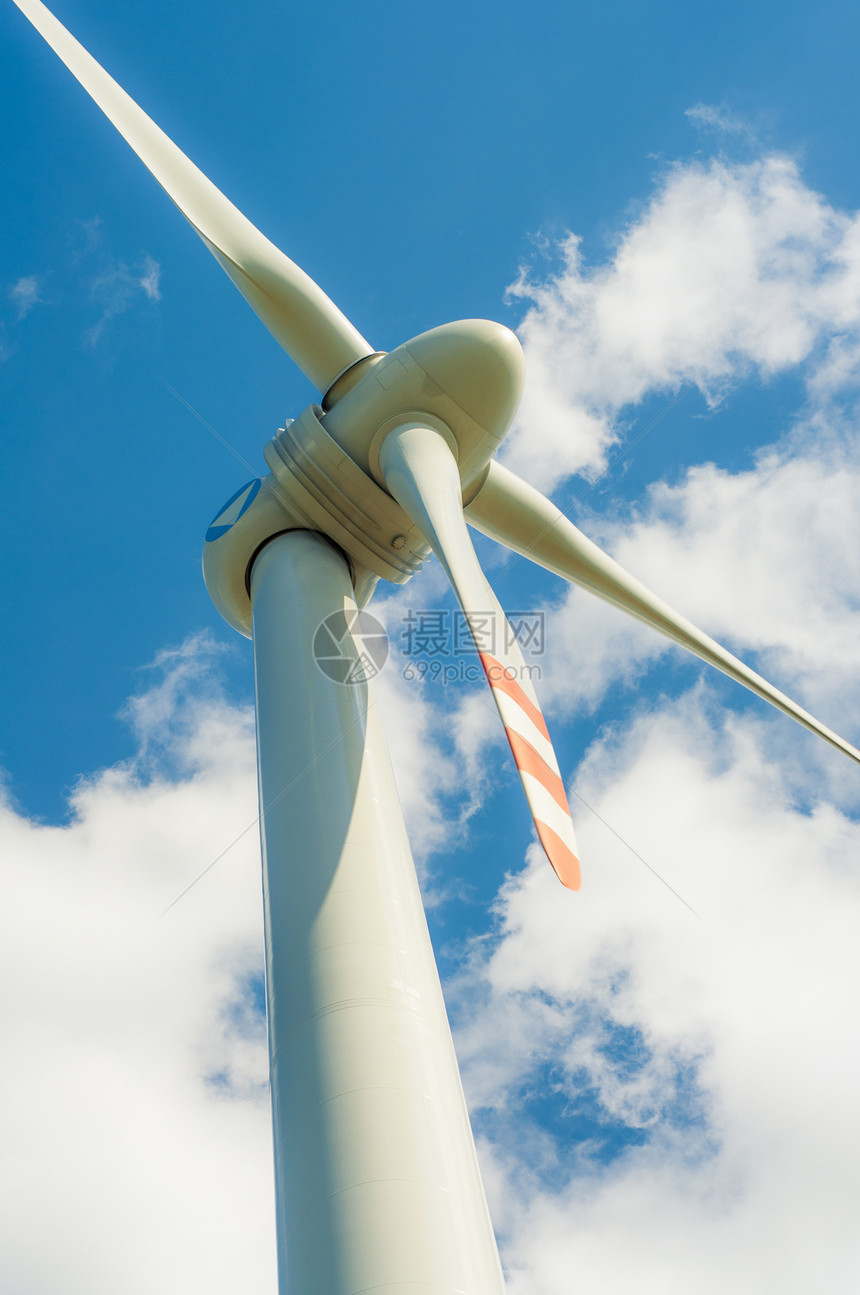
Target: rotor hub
column 463, row 380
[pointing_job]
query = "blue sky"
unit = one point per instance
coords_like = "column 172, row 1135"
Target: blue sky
column 427, row 164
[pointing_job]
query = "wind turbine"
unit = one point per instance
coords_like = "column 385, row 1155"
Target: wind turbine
column 377, row 1181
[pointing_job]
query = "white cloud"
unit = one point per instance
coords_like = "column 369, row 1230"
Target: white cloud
column 732, row 270
column 720, row 117
column 134, row 1110
column 667, row 1101
column 135, row 1115
column 766, row 560
column 770, row 557
column 150, row 278
column 722, row 1044
column 114, row 289
column 25, row 294
column 111, row 282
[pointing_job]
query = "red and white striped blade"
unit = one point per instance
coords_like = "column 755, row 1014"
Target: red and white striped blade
column 530, row 742
column 421, row 473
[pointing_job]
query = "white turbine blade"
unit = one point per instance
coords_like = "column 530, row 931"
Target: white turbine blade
column 297, row 313
column 421, row 473
column 519, row 516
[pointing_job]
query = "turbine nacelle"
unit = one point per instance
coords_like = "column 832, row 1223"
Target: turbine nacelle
column 462, row 380
column 466, row 378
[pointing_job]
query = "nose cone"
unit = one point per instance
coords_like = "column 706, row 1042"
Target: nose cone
column 479, row 364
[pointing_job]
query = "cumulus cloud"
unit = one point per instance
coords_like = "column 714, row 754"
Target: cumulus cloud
column 732, row 270
column 136, row 1117
column 664, row 1090
column 666, row 1101
column 134, row 1112
column 665, row 1097
column 765, row 560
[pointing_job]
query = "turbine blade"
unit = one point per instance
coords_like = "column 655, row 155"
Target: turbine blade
column 421, row 473
column 297, row 312
column 519, row 516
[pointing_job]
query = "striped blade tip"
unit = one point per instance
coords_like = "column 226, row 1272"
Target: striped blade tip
column 564, row 861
